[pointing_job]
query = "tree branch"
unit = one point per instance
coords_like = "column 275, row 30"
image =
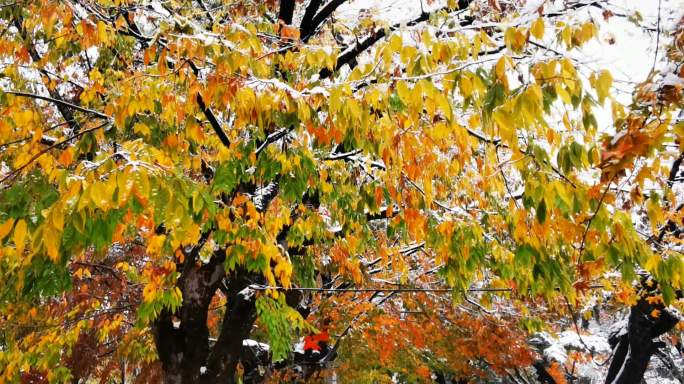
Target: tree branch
column 286, row 11
column 213, row 121
column 62, row 103
column 236, row 326
column 305, row 25
column 273, row 137
column 320, row 18
column 48, row 149
column 352, row 53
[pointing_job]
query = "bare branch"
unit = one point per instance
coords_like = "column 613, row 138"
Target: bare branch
column 305, row 26
column 320, row 18
column 352, row 53
column 208, row 113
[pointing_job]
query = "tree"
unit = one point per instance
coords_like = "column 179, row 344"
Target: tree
column 180, row 178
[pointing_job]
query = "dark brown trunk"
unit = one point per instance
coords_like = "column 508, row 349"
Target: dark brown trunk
column 236, row 327
column 182, row 338
column 620, row 350
column 286, row 11
column 634, row 349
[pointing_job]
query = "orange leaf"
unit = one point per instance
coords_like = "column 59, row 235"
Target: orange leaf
column 67, row 157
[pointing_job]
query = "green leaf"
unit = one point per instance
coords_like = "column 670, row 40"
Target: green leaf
column 541, row 212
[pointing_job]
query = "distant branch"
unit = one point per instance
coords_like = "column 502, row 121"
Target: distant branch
column 352, row 53
column 258, row 287
column 206, row 10
column 66, row 113
column 62, row 103
column 46, row 140
column 591, row 219
column 361, row 290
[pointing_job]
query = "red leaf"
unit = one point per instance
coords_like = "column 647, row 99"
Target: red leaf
column 312, row 342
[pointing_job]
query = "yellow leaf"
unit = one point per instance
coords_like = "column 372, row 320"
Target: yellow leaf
column 283, row 271
column 603, row 84
column 588, row 31
column 403, row 92
column 150, row 291
column 537, row 28
column 5, row 228
column 102, row 35
column 97, row 196
column 395, row 43
column 440, row 131
column 120, row 22
column 23, row 118
column 652, row 262
column 563, row 94
column 501, row 68
column 194, row 131
column 566, row 35
column 57, row 220
column 444, row 105
column 504, row 121
column 155, row 244
column 20, row 235
column 51, row 242
column 477, row 43
column 141, row 129
column 466, row 86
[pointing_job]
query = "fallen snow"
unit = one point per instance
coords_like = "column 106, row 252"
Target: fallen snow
column 255, row 344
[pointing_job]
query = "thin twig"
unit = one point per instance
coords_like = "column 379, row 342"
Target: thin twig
column 48, row 149
column 257, row 287
column 586, row 230
column 655, row 56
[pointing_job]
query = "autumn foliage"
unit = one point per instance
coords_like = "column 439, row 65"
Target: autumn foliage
column 238, row 191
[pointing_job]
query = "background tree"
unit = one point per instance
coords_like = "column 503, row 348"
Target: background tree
column 180, row 179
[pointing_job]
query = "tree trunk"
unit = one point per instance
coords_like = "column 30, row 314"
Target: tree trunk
column 182, row 338
column 634, row 349
column 236, row 327
column 286, row 11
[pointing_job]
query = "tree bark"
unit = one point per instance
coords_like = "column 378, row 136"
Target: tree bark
column 286, row 11
column 236, row 327
column 634, row 349
column 182, row 338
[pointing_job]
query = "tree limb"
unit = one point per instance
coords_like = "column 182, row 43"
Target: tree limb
column 62, row 103
column 305, row 25
column 352, row 53
column 30, row 47
column 286, row 11
column 320, row 18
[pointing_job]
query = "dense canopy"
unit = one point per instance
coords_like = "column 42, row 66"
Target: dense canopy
column 337, row 191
